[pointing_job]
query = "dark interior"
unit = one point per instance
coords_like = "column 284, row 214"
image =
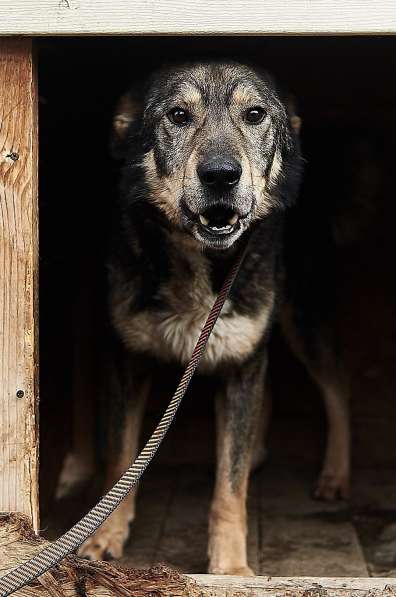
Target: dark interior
column 346, row 95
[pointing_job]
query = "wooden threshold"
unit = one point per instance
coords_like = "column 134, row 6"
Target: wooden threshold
column 260, row 586
column 17, row 543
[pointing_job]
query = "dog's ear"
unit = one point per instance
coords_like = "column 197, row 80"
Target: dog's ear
column 287, row 158
column 288, row 141
column 126, row 114
column 294, row 119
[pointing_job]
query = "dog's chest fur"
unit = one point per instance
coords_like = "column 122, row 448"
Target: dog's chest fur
column 169, row 327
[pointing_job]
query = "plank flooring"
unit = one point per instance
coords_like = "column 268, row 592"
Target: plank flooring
column 289, row 533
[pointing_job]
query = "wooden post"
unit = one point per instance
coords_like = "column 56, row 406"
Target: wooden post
column 18, row 280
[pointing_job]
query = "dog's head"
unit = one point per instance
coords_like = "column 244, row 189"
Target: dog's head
column 215, row 146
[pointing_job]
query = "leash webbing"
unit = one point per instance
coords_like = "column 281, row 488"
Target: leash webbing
column 72, row 539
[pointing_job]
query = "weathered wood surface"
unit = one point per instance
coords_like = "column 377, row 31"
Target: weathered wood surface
column 18, row 280
column 149, row 529
column 100, row 17
column 100, row 579
column 174, row 529
column 305, row 537
column 260, row 586
column 289, row 533
column 75, row 577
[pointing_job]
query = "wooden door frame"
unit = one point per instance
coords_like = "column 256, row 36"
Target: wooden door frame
column 190, row 17
column 19, row 433
column 18, row 279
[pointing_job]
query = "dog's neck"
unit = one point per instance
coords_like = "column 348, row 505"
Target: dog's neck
column 219, row 261
column 147, row 217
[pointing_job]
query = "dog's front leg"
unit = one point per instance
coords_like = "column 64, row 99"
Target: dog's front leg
column 237, row 409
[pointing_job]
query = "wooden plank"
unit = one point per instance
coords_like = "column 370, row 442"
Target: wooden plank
column 373, row 502
column 311, row 546
column 174, row 529
column 289, row 533
column 260, row 586
column 18, row 280
column 100, row 17
column 184, row 538
column 304, row 537
column 153, row 502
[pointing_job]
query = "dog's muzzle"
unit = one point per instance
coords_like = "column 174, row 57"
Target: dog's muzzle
column 217, row 226
column 219, row 175
column 217, row 216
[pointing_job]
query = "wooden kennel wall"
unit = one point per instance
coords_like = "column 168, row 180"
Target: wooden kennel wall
column 18, row 279
column 18, row 165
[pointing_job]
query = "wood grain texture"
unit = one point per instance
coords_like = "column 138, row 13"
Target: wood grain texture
column 265, row 586
column 301, row 536
column 18, row 280
column 147, row 530
column 289, row 533
column 100, row 17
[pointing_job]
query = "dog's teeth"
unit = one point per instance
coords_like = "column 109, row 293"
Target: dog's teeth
column 220, row 228
column 203, row 220
column 233, row 220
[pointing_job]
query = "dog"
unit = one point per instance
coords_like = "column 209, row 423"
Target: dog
column 211, row 165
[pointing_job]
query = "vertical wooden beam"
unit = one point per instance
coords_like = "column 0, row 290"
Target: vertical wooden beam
column 18, row 279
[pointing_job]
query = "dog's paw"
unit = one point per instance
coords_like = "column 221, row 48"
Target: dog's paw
column 107, row 543
column 227, row 555
column 331, row 487
column 74, row 473
column 242, row 571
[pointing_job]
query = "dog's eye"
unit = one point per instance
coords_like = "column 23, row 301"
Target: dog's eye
column 179, row 116
column 255, row 115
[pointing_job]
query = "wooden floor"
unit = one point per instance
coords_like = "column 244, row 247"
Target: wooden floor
column 289, row 533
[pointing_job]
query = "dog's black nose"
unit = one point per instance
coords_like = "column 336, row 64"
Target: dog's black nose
column 219, row 173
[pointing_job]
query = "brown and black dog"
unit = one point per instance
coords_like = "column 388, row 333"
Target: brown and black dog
column 210, row 157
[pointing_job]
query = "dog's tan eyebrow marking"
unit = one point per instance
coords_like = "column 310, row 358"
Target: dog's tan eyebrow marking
column 189, row 94
column 243, row 94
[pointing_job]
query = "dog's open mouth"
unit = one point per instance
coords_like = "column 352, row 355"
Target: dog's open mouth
column 219, row 220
